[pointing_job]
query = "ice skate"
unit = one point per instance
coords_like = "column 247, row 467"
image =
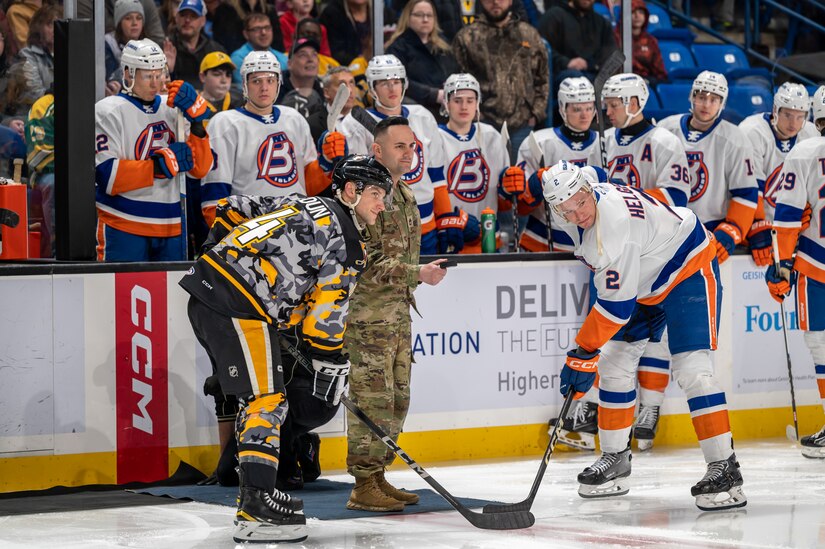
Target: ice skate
column 261, row 519
column 580, row 428
column 721, row 487
column 813, row 446
column 646, row 426
column 607, row 477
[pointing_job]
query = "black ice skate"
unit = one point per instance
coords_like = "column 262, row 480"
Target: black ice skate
column 261, row 519
column 580, row 428
column 607, row 477
column 721, row 487
column 813, row 446
column 646, row 426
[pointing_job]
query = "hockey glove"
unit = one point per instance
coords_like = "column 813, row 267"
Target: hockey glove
column 579, row 372
column 512, row 182
column 450, row 231
column 782, row 282
column 759, row 240
column 806, row 216
column 727, row 236
column 183, row 96
column 171, row 160
column 330, row 380
column 534, row 194
column 332, row 146
column 472, row 230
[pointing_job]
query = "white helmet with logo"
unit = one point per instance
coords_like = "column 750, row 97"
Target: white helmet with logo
column 625, row 86
column 259, row 61
column 711, row 82
column 574, row 90
column 457, row 82
column 819, row 106
column 561, row 182
column 140, row 54
column 791, row 96
column 385, row 67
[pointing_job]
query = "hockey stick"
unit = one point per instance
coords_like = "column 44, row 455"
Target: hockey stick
column 526, row 504
column 791, row 433
column 505, row 136
column 613, row 64
column 512, row 520
column 361, row 115
column 180, row 130
column 535, row 150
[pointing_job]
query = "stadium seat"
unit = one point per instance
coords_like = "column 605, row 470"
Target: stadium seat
column 729, row 60
column 748, row 99
column 602, row 10
column 674, row 97
column 678, row 59
column 659, row 18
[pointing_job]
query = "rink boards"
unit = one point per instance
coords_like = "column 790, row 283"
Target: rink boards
column 100, row 374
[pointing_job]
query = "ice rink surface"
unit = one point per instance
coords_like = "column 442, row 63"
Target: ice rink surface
column 786, row 508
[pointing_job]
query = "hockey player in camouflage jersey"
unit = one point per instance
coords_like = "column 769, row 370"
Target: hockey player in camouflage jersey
column 297, row 263
column 378, row 338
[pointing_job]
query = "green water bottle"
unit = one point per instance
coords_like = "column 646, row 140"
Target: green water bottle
column 488, row 231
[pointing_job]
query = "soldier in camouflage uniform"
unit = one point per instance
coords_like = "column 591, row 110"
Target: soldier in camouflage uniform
column 296, row 263
column 379, row 335
column 508, row 58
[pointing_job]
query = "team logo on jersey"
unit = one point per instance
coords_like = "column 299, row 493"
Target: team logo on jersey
column 772, row 184
column 701, row 176
column 277, row 164
column 621, row 167
column 417, row 172
column 156, row 135
column 468, row 176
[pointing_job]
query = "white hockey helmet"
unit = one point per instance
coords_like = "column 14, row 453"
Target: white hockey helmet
column 626, row 86
column 140, row 54
column 791, row 96
column 574, row 90
column 711, row 82
column 457, row 82
column 259, row 61
column 385, row 67
column 819, row 105
column 561, row 182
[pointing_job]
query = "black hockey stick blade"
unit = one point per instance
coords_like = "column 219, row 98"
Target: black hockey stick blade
column 363, row 117
column 510, row 520
column 611, row 66
column 526, row 504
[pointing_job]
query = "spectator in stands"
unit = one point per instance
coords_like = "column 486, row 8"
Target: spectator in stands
column 216, row 82
column 301, row 88
column 448, row 13
column 349, row 27
column 420, row 46
column 33, row 73
column 231, row 23
column 190, row 42
column 39, row 133
column 5, row 55
column 258, row 33
column 153, row 23
column 509, row 60
column 19, row 15
column 128, row 26
column 330, row 83
column 647, row 58
column 311, row 28
column 298, row 11
column 580, row 38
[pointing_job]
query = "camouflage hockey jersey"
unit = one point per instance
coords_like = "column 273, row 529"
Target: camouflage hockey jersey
column 284, row 260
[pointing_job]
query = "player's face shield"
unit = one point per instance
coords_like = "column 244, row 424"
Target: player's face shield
column 789, row 122
column 148, row 83
column 579, row 116
column 706, row 105
column 262, row 88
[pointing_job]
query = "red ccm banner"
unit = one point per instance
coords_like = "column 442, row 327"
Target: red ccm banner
column 141, row 375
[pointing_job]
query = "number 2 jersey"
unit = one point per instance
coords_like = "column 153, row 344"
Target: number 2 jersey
column 723, row 185
column 285, row 260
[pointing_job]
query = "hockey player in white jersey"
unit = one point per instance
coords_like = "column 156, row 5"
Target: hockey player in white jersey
column 261, row 149
column 574, row 142
column 800, row 185
column 476, row 157
column 442, row 228
column 640, row 154
column 654, row 266
column 138, row 155
column 773, row 135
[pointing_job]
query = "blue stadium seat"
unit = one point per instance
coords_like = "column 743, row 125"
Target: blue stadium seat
column 659, row 18
column 602, row 10
column 678, row 59
column 675, row 97
column 748, row 99
column 731, row 61
column 653, row 101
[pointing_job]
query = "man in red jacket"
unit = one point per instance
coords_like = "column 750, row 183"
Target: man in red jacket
column 647, row 58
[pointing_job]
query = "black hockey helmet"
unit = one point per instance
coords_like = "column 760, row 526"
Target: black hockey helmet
column 363, row 171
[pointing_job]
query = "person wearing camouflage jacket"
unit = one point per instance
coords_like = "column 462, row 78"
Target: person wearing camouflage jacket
column 379, row 334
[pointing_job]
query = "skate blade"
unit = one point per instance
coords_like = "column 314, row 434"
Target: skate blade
column 644, row 444
column 813, row 453
column 731, row 499
column 261, row 532
column 615, row 487
column 579, row 441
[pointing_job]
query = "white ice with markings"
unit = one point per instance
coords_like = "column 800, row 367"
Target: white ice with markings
column 786, row 508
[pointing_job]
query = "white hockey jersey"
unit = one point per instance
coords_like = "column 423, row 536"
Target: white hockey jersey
column 258, row 155
column 654, row 161
column 554, row 146
column 801, row 182
column 639, row 249
column 426, row 178
column 128, row 196
column 723, row 185
column 768, row 154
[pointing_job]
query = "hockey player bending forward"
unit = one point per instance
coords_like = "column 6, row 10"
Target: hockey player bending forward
column 298, row 263
column 801, row 184
column 654, row 267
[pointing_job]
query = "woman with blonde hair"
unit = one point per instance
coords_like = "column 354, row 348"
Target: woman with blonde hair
column 419, row 44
